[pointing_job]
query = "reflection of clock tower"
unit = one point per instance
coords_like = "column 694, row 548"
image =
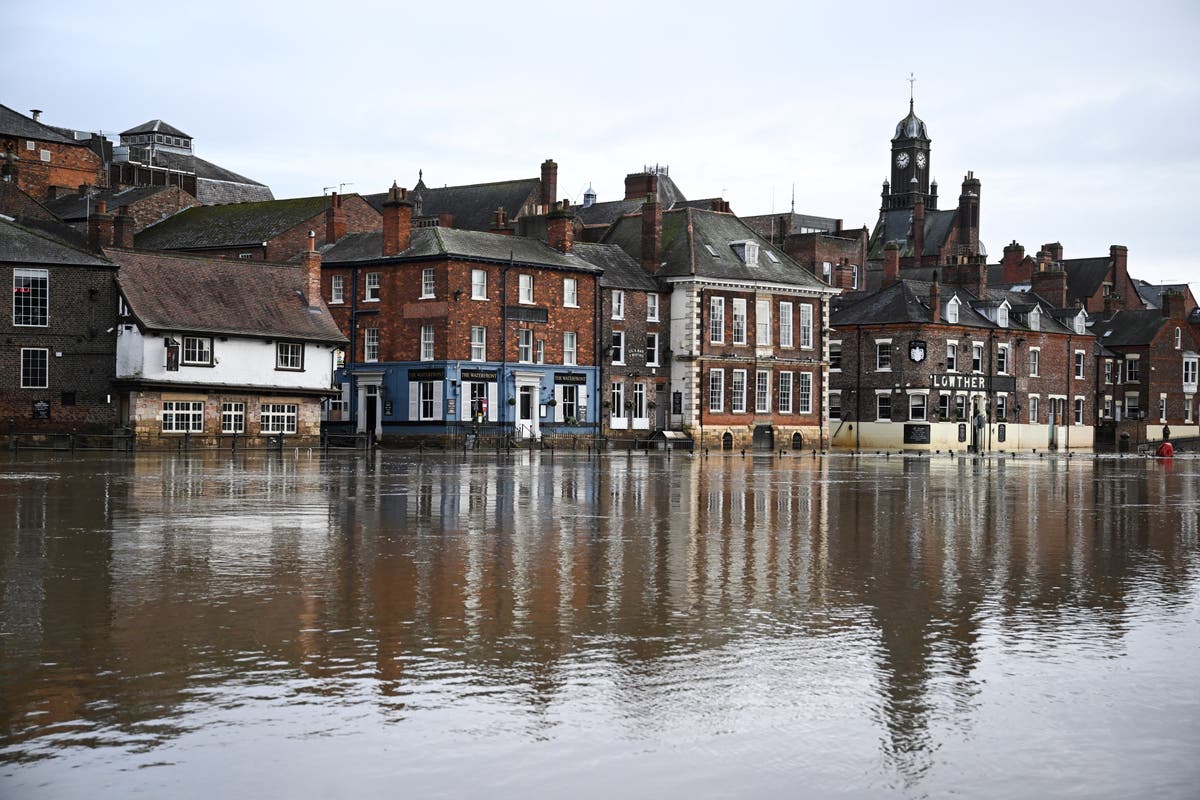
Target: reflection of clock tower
column 910, row 166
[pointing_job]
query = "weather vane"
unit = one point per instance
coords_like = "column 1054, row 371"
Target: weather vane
column 911, row 81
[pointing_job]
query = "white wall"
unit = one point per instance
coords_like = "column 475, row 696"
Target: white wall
column 237, row 361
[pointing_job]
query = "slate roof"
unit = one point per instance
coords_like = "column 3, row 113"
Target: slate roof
column 1084, row 276
column 231, row 225
column 472, row 205
column 1151, row 293
column 608, row 212
column 620, row 270
column 170, row 291
column 767, row 225
column 16, row 124
column 894, row 227
column 906, row 301
column 74, row 207
column 430, row 243
column 685, row 233
column 21, row 244
column 156, row 126
column 1130, row 328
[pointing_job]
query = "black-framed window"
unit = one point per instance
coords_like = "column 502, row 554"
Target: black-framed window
column 35, row 367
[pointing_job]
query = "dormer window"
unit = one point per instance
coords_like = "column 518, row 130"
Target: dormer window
column 952, row 311
column 1035, row 320
column 711, row 250
column 1080, row 322
column 1002, row 316
column 747, row 251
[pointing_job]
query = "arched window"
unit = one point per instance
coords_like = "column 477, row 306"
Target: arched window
column 952, row 311
column 797, row 441
column 727, row 441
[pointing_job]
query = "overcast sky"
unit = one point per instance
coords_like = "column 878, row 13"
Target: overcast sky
column 1080, row 120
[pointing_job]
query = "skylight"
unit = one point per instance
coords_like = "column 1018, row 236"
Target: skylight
column 711, row 251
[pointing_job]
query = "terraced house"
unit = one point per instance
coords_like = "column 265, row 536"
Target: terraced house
column 455, row 330
column 747, row 328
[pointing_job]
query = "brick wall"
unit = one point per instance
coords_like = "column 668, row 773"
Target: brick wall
column 69, row 166
column 83, row 315
column 145, row 411
column 635, row 369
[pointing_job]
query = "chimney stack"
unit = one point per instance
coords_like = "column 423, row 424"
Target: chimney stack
column 560, row 227
column 311, row 260
column 549, row 184
column 335, row 220
column 397, row 221
column 36, row 113
column 1014, row 258
column 640, row 184
column 123, row 229
column 968, row 214
column 1173, row 305
column 651, row 233
column 891, row 264
column 1055, row 249
column 1051, row 286
column 100, row 227
column 500, row 223
column 935, row 299
column 1119, row 255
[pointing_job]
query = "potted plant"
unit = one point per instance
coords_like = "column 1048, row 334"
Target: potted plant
column 512, row 401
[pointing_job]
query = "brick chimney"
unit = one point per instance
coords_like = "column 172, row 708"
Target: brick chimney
column 1051, row 286
column 1118, row 254
column 397, row 221
column 1055, row 249
column 549, row 184
column 560, row 227
column 311, row 260
column 640, row 184
column 651, row 233
column 935, row 300
column 968, row 214
column 891, row 264
column 123, row 229
column 1013, row 261
column 1172, row 304
column 500, row 223
column 918, row 232
column 335, row 220
column 100, row 227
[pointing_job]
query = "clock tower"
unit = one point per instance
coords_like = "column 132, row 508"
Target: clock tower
column 910, row 166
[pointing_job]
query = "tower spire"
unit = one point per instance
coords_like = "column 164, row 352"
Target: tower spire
column 911, row 81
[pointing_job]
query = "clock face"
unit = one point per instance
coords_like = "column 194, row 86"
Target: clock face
column 921, row 160
column 902, row 160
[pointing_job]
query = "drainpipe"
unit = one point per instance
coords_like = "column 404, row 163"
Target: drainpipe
column 858, row 387
column 597, row 354
column 1069, row 400
column 502, row 393
column 351, row 351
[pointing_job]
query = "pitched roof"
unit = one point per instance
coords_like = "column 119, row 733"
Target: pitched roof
column 894, row 227
column 1151, row 293
column 156, row 126
column 434, row 242
column 687, row 235
column 1129, row 328
column 230, row 225
column 20, row 244
column 472, row 205
column 170, row 291
column 620, row 270
column 16, row 124
column 75, row 207
column 1084, row 276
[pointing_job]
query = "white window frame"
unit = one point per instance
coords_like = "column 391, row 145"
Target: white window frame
column 804, row 393
column 918, row 406
column 1034, row 402
column 786, row 332
column 478, row 343
column 1079, row 409
column 952, row 355
column 427, row 339
column 880, row 396
column 618, row 304
column 570, row 293
column 370, row 345
column 525, row 289
column 570, row 348
column 652, row 350
column 952, row 311
column 1002, row 359
column 1080, row 365
column 183, row 416
column 652, row 307
column 716, row 320
column 762, row 391
column 806, row 326
column 835, row 346
column 977, row 353
column 617, row 348
column 739, row 321
column 716, row 391
column 233, row 417
column 525, row 346
column 372, row 288
column 202, row 351
column 737, row 385
column 479, row 284
column 883, row 355
column 337, row 289
column 428, row 283
column 762, row 323
column 785, row 392
column 1035, row 362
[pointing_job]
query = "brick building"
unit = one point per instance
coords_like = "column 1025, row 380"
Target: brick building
column 1100, row 284
column 820, row 244
column 927, row 365
column 217, row 351
column 41, row 160
column 146, row 205
column 271, row 230
column 1149, row 370
column 635, row 361
column 59, row 344
column 450, row 328
column 747, row 328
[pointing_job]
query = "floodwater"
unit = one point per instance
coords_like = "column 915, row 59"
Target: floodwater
column 308, row 626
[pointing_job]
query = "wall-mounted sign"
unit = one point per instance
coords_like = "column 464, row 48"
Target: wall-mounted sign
column 41, row 409
column 387, row 408
column 478, row 375
column 916, row 433
column 427, row 374
column 570, row 378
column 973, row 383
column 917, row 350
